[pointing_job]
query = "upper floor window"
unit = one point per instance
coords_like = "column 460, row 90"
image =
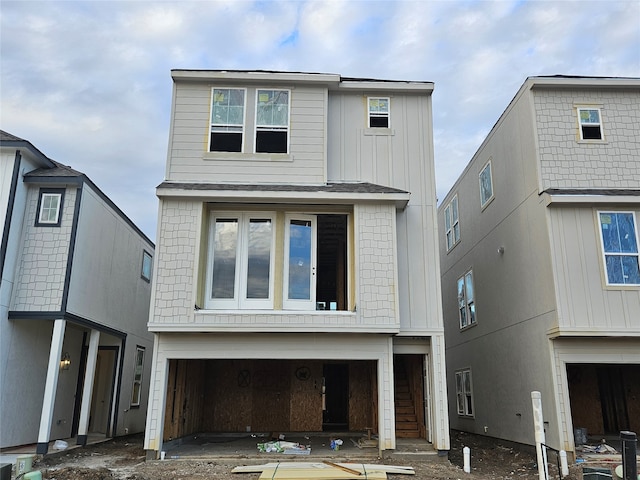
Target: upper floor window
column 50, row 207
column 272, row 121
column 378, row 112
column 241, row 260
column 464, row 393
column 451, row 224
column 312, row 263
column 486, row 185
column 147, row 261
column 136, row 391
column 590, row 124
column 620, row 247
column 466, row 300
column 227, row 120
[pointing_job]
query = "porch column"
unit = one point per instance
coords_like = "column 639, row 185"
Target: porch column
column 50, row 386
column 87, row 390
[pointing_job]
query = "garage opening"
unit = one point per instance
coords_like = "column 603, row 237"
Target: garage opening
column 605, row 399
column 232, row 396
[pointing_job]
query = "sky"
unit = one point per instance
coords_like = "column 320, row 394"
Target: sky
column 88, row 83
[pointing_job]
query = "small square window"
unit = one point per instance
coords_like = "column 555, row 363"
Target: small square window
column 486, row 185
column 147, row 261
column 50, row 208
column 451, row 223
column 590, row 124
column 378, row 112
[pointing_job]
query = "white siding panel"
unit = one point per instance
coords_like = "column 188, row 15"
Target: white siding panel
column 584, row 300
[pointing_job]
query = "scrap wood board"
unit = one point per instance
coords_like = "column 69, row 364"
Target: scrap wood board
column 317, row 473
column 360, row 467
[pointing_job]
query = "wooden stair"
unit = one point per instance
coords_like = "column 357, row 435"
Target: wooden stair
column 406, row 419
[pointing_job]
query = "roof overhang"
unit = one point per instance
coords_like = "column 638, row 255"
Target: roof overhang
column 332, row 193
column 590, row 197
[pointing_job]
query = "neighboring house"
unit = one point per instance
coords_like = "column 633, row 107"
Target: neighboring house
column 539, row 260
column 75, row 352
column 297, row 280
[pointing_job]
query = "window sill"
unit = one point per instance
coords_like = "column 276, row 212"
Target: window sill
column 592, row 142
column 467, row 327
column 227, row 311
column 379, row 132
column 248, row 157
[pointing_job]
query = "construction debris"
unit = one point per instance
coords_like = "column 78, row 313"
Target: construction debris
column 323, row 471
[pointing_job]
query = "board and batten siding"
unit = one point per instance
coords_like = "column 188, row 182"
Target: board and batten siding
column 566, row 162
column 189, row 159
column 585, row 303
column 400, row 156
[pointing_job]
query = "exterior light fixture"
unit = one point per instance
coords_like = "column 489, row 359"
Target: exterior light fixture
column 65, row 361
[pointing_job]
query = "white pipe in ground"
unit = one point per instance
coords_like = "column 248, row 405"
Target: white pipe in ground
column 538, row 426
column 466, row 453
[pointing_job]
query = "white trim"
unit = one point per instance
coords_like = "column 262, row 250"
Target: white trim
column 266, row 128
column 488, row 200
column 244, row 118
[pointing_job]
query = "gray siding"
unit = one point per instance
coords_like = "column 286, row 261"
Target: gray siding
column 106, row 283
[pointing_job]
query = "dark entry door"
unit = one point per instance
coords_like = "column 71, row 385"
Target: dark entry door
column 612, row 397
column 336, row 397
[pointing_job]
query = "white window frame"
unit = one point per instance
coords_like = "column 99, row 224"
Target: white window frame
column 606, row 253
column 590, row 124
column 138, row 369
column 467, row 315
column 452, row 223
column 464, row 393
column 486, row 182
column 377, row 113
column 221, row 128
column 300, row 304
column 44, row 217
column 147, row 266
column 272, row 128
column 239, row 301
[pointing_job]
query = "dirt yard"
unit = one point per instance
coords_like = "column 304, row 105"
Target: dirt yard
column 124, row 459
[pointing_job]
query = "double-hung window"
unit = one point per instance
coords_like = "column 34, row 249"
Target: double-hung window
column 619, row 236
column 451, row 224
column 50, row 207
column 464, row 393
column 486, row 185
column 378, row 112
column 227, row 120
column 240, row 270
column 466, row 301
column 272, row 121
column 590, row 124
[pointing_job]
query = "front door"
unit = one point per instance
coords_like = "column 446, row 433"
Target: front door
column 103, row 387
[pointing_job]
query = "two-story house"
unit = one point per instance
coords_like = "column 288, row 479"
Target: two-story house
column 539, row 257
column 297, row 279
column 75, row 353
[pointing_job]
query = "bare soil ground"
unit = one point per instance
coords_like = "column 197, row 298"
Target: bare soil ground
column 124, row 459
